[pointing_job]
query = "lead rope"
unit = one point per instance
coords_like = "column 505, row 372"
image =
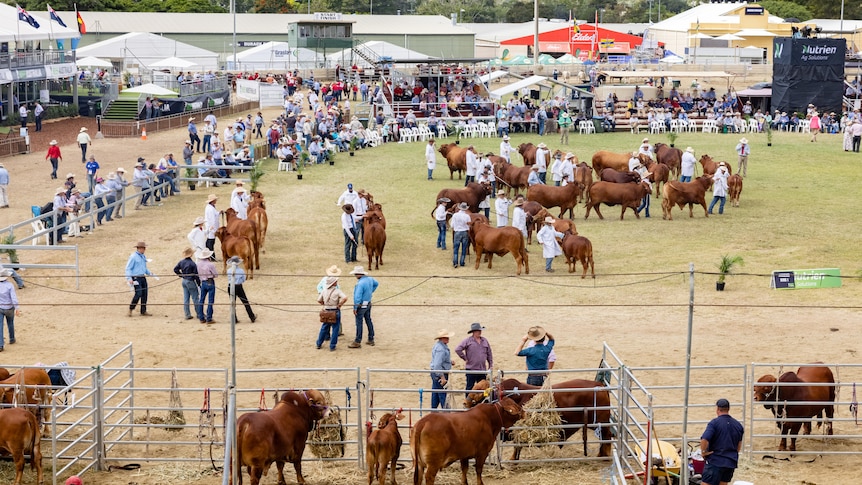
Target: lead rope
column 261, row 405
column 854, row 407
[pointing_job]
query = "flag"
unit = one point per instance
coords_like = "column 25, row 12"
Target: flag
column 75, row 43
column 55, row 17
column 26, row 17
column 82, row 28
column 60, row 45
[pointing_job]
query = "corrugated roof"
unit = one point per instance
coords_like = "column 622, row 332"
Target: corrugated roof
column 208, row 23
column 706, row 13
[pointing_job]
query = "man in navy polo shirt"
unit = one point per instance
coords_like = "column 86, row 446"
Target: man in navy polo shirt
column 720, row 446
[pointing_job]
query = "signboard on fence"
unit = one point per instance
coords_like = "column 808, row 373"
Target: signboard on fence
column 798, row 279
column 249, row 90
column 271, row 95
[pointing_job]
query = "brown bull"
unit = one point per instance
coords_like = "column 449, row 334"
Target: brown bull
column 672, row 157
column 528, row 153
column 511, row 176
column 258, row 216
column 626, row 195
column 244, row 227
column 619, row 177
column 734, row 189
column 19, row 436
column 584, row 179
column 578, row 248
column 472, row 194
column 603, row 159
column 32, row 388
column 500, row 241
column 531, row 209
column 659, row 174
column 710, row 166
column 682, row 193
column 240, row 246
column 456, row 158
column 564, row 197
column 375, row 236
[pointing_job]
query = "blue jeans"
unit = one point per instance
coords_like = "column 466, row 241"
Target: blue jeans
column 330, row 330
column 720, row 207
column 141, row 293
column 542, row 176
column 536, row 380
column 364, row 314
column 541, row 127
column 438, row 399
column 430, row 171
column 685, row 178
column 191, row 292
column 350, row 245
column 644, row 205
column 461, row 241
column 473, row 378
column 207, row 289
column 207, row 143
column 109, row 211
column 548, row 262
column 100, row 204
column 9, row 316
column 441, row 234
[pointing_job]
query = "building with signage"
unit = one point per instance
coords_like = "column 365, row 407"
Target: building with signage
column 584, row 41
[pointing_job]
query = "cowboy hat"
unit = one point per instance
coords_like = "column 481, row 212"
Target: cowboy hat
column 743, row 140
column 534, row 168
column 645, row 140
column 198, row 221
column 188, row 252
column 463, row 206
column 188, row 142
column 549, row 220
column 444, row 334
column 689, row 150
column 569, row 155
column 536, row 333
column 141, row 244
column 121, row 170
column 60, row 190
column 5, row 274
column 70, row 175
column 347, row 208
column 203, row 254
column 541, row 145
column 234, row 260
column 331, row 281
column 83, row 129
column 444, row 200
column 358, row 270
column 191, row 119
column 505, row 137
column 112, row 176
column 333, row 271
column 53, row 142
column 211, row 198
column 239, row 188
column 501, row 192
column 475, row 327
column 518, row 203
column 722, row 164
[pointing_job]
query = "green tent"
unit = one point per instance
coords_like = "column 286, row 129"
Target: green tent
column 495, row 62
column 518, row 61
column 546, row 60
column 568, row 59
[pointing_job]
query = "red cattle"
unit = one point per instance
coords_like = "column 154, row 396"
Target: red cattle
column 19, row 435
column 603, row 159
column 258, row 215
column 511, row 176
column 25, row 383
column 456, row 158
column 593, row 401
column 236, row 246
column 383, row 447
column 244, row 227
column 734, row 189
column 500, row 241
column 710, row 166
column 528, row 153
column 619, row 177
column 440, row 439
column 672, row 157
column 584, row 179
column 779, row 398
column 564, row 197
column 627, row 195
column 278, row 435
column 531, row 209
column 578, row 248
column 375, row 237
column 682, row 193
column 472, row 194
column 659, row 174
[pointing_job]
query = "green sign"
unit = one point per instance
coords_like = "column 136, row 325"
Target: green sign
column 796, row 279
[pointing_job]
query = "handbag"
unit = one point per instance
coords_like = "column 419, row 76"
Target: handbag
column 327, row 316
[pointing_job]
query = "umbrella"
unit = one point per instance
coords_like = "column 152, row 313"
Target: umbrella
column 93, row 62
column 518, row 61
column 150, row 88
column 729, row 37
column 546, row 59
column 569, row 59
column 699, row 36
column 174, row 62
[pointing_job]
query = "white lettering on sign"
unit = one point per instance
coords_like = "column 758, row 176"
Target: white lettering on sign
column 327, row 16
column 217, row 101
column 581, row 37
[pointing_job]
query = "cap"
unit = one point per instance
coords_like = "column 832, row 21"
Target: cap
column 349, row 186
column 722, row 404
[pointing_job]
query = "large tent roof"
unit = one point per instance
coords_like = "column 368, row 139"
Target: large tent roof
column 12, row 29
column 146, row 48
column 273, row 55
column 516, row 86
column 381, row 49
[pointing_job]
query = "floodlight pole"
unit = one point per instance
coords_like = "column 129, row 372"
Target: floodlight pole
column 233, row 11
column 536, row 35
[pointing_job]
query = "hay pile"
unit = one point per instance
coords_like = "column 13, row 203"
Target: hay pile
column 539, row 421
column 324, row 440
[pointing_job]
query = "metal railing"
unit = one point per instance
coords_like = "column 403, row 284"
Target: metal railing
column 128, row 129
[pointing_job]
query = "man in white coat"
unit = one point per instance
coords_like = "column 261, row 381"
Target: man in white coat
column 211, row 222
column 547, row 237
column 239, row 203
column 687, row 167
column 506, row 149
column 719, row 187
column 430, row 157
column 198, row 236
column 501, row 206
column 519, row 217
column 472, row 165
column 542, row 153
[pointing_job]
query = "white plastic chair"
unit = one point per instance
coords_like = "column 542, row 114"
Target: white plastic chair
column 709, row 126
column 656, row 127
column 676, row 126
column 586, row 127
column 752, row 125
column 283, row 166
column 635, row 126
column 441, row 131
column 38, row 227
column 691, row 126
column 804, row 126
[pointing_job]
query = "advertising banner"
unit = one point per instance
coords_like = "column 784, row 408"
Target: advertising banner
column 807, row 71
column 249, row 90
column 799, row 279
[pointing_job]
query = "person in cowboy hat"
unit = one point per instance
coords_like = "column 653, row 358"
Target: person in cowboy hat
column 547, row 237
column 362, row 293
column 538, row 354
column 430, row 157
column 687, row 165
column 236, row 275
column 188, row 271
column 719, row 187
column 348, row 226
column 506, row 149
column 475, row 351
column 211, row 221
column 54, row 157
column 207, row 272
column 542, row 154
column 441, row 360
column 645, row 148
column 136, row 277
column 460, row 222
column 4, row 185
column 8, row 306
column 519, row 217
column 197, row 236
column 332, row 298
column 472, row 163
column 84, row 141
column 440, row 218
column 533, row 178
column 193, row 135
column 743, row 150
column 501, row 207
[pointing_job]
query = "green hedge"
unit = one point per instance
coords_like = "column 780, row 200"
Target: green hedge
column 51, row 112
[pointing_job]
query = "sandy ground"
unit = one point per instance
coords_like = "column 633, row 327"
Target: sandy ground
column 84, row 325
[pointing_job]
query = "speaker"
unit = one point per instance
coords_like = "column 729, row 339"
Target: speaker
column 535, row 94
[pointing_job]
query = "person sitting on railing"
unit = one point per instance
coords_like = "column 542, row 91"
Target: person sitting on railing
column 163, row 174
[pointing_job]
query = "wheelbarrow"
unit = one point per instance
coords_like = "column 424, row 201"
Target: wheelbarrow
column 665, row 461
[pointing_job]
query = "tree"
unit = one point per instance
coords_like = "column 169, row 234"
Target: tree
column 276, row 6
column 786, row 9
column 640, row 10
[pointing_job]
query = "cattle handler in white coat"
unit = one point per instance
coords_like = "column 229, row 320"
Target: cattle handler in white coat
column 547, row 237
column 430, row 157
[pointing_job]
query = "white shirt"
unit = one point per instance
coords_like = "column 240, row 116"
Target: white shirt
column 460, row 221
column 472, row 164
column 211, row 216
column 556, row 174
column 502, row 207
column 440, row 212
column 634, row 163
column 430, row 156
column 519, row 219
column 719, row 188
column 547, row 237
column 198, row 238
column 347, row 221
column 688, row 163
column 646, row 149
column 83, row 138
column 239, row 203
column 541, row 153
column 348, row 197
column 506, row 151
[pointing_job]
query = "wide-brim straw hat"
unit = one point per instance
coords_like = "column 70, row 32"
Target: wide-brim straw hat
column 744, row 141
column 331, row 281
column 501, row 192
column 5, row 274
column 52, row 142
column 541, row 145
column 198, row 221
column 358, row 270
column 69, row 175
column 83, row 129
column 121, row 170
column 203, row 254
column 212, row 197
column 518, row 203
column 444, row 334
column 536, row 333
column 333, row 271
column 689, row 150
column 112, row 176
column 60, row 190
column 549, row 220
column 141, row 244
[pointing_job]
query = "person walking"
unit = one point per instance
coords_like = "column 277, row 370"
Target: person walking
column 537, row 354
column 237, row 273
column 332, row 299
column 136, row 278
column 743, row 150
column 430, row 157
column 565, row 122
column 193, row 135
column 84, row 141
column 4, row 187
column 362, row 293
column 441, row 361
column 188, row 271
column 440, row 218
column 814, row 119
column 476, row 353
column 856, row 132
column 687, row 165
column 8, row 306
column 547, row 237
column 211, row 221
column 348, row 226
column 719, row 187
column 720, row 445
column 460, row 222
column 54, row 157
column 207, row 272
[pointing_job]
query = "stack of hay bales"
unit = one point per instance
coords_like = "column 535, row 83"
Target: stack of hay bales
column 541, row 417
column 324, row 440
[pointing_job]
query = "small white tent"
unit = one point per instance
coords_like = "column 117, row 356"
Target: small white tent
column 12, row 29
column 273, row 56
column 143, row 49
column 375, row 48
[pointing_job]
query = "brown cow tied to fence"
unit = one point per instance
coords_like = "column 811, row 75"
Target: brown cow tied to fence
column 19, row 435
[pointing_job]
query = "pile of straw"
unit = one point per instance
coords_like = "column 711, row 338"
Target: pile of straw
column 328, row 430
column 540, row 418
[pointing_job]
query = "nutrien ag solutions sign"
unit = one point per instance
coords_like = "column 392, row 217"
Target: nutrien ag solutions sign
column 808, row 51
column 798, row 279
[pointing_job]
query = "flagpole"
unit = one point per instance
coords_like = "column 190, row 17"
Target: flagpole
column 75, row 60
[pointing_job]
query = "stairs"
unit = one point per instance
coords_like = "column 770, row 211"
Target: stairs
column 366, row 54
column 122, row 109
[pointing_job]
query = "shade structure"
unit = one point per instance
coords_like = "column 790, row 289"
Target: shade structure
column 495, row 62
column 518, row 61
column 699, row 35
column 672, row 59
column 137, row 49
column 516, row 86
column 729, row 37
column 546, row 60
column 151, row 89
column 273, row 56
column 91, row 61
column 568, row 59
column 173, row 63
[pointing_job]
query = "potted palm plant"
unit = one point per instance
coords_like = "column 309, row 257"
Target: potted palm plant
column 725, row 267
column 255, row 174
column 672, row 135
column 354, row 142
column 330, row 156
column 301, row 163
column 191, row 173
column 13, row 253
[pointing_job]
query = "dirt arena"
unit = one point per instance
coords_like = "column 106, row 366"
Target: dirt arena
column 644, row 322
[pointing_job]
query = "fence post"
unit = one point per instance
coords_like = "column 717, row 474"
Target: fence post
column 684, row 447
column 99, row 416
column 360, row 450
column 625, row 388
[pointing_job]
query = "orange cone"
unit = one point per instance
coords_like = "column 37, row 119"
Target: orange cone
column 144, row 134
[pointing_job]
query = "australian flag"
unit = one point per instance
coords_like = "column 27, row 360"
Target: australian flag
column 55, row 17
column 26, row 17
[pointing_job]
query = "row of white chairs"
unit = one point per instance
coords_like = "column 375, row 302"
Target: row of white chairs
column 479, row 130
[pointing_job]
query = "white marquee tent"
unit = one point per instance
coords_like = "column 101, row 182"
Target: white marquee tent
column 379, row 48
column 273, row 56
column 12, row 29
column 142, row 49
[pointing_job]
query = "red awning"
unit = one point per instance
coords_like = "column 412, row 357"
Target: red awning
column 587, row 39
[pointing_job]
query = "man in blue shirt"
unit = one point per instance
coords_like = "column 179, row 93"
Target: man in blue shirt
column 4, row 185
column 365, row 286
column 8, row 306
column 236, row 272
column 92, row 166
column 537, row 355
column 193, row 135
column 441, row 360
column 720, row 445
column 136, row 277
column 188, row 271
